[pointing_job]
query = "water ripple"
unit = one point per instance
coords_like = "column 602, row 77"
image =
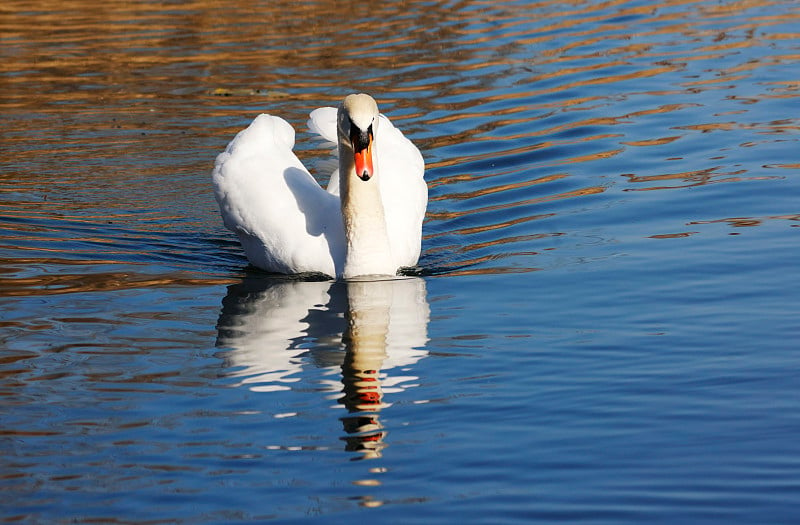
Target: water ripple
column 637, row 161
column 514, row 107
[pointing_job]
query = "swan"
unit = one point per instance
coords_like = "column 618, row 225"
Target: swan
column 367, row 222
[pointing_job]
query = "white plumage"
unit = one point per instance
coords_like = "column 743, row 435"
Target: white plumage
column 287, row 223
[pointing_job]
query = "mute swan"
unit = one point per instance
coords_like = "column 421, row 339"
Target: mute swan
column 288, row 224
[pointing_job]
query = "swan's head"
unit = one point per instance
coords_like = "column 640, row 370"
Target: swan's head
column 358, row 122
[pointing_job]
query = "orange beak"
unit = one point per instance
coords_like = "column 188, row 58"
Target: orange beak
column 362, row 152
column 363, row 160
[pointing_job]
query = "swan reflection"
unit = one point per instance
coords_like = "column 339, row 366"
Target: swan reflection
column 369, row 329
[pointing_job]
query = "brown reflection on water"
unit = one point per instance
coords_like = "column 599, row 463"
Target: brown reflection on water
column 124, row 106
column 691, row 178
column 61, row 283
column 747, row 222
column 124, row 51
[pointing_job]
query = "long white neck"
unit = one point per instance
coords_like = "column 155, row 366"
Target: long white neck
column 368, row 249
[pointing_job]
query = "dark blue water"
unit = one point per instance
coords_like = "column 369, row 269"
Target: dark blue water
column 604, row 328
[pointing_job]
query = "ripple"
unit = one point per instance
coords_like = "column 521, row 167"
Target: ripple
column 506, row 97
column 634, row 161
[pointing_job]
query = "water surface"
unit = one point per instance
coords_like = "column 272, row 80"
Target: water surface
column 603, row 328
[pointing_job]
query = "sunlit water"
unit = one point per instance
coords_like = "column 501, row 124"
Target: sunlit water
column 603, row 330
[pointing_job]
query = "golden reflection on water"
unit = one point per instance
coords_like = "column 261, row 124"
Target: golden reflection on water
column 747, row 222
column 93, row 93
column 93, row 282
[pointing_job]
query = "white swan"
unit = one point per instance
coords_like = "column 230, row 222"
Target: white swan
column 288, row 224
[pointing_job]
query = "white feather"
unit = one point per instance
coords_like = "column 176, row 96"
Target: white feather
column 284, row 219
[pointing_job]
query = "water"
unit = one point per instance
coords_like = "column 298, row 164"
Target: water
column 604, row 329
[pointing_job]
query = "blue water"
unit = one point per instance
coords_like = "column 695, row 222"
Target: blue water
column 603, row 328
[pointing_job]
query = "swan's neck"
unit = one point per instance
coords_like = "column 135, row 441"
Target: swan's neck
column 368, row 249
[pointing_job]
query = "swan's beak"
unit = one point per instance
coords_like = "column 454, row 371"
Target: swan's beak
column 362, row 149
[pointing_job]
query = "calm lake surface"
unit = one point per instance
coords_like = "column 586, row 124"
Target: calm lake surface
column 604, row 326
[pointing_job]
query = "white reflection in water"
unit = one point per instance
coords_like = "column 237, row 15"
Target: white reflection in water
column 370, row 329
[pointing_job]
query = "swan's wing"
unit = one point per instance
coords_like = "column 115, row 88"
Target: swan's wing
column 401, row 171
column 322, row 121
column 285, row 221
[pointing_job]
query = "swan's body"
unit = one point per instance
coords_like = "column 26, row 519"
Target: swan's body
column 368, row 222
